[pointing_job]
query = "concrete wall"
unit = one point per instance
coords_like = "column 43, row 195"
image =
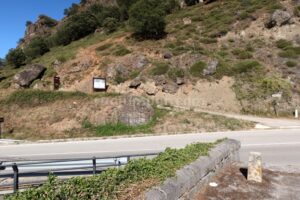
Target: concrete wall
column 191, row 179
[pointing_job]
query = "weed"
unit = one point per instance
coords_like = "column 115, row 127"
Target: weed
column 197, row 69
column 291, row 63
column 160, row 69
column 120, row 50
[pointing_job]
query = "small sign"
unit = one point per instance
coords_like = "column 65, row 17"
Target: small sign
column 99, row 84
column 56, row 82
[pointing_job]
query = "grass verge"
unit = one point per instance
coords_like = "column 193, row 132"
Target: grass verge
column 112, row 183
column 122, row 129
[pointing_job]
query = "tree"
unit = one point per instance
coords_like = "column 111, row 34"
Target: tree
column 2, row 62
column 147, row 19
column 28, row 23
column 78, row 26
column 72, row 10
column 16, row 57
column 36, row 48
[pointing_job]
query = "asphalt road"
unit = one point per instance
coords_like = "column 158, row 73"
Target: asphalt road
column 278, row 147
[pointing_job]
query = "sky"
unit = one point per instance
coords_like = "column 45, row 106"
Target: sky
column 15, row 13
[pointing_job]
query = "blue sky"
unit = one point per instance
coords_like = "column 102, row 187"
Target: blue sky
column 15, row 13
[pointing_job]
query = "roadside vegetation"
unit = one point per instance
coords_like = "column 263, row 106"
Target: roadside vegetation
column 39, row 97
column 111, row 129
column 116, row 183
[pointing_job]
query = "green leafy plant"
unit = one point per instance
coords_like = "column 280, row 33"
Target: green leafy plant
column 160, row 69
column 197, row 69
column 112, row 183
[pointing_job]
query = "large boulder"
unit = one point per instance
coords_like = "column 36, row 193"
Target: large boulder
column 29, row 74
column 278, row 18
column 135, row 111
column 170, row 88
column 135, row 83
column 211, row 68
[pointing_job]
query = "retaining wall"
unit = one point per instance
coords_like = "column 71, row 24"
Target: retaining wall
column 191, row 179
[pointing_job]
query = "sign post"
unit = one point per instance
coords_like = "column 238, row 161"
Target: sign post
column 1, row 121
column 99, row 84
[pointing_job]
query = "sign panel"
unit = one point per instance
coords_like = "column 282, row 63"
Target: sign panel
column 99, row 84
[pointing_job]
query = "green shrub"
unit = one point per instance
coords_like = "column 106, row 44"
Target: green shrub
column 242, row 53
column 111, row 24
column 120, row 50
column 48, row 21
column 197, row 69
column 104, row 47
column 36, row 48
column 147, row 19
column 290, row 52
column 291, row 63
column 160, row 69
column 175, row 73
column 297, row 11
column 16, row 57
column 76, row 27
column 283, row 44
column 247, row 66
column 114, row 182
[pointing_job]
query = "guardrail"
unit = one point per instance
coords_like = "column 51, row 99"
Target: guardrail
column 61, row 167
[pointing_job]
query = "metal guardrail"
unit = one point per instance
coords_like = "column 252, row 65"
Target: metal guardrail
column 56, row 166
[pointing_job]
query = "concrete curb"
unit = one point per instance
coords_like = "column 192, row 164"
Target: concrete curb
column 193, row 177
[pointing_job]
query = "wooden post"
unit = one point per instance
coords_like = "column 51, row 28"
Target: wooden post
column 1, row 121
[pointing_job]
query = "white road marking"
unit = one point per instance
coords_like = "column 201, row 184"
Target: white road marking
column 271, row 144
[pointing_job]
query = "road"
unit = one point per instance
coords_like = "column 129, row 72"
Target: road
column 278, row 147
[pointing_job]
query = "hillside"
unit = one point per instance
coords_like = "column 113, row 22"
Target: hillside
column 228, row 56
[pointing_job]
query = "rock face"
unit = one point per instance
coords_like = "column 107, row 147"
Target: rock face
column 211, row 68
column 28, row 75
column 255, row 167
column 135, row 111
column 279, row 18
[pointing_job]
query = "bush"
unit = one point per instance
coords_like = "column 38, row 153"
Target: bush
column 16, row 57
column 160, row 69
column 197, row 69
column 176, row 73
column 37, row 47
column 283, row 44
column 246, row 67
column 291, row 63
column 48, row 21
column 72, row 10
column 121, row 51
column 111, row 24
column 147, row 19
column 76, row 27
column 241, row 53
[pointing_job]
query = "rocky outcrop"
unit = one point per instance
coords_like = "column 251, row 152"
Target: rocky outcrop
column 135, row 111
column 42, row 27
column 278, row 18
column 29, row 74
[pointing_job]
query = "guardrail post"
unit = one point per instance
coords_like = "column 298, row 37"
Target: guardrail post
column 16, row 177
column 128, row 159
column 94, row 166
